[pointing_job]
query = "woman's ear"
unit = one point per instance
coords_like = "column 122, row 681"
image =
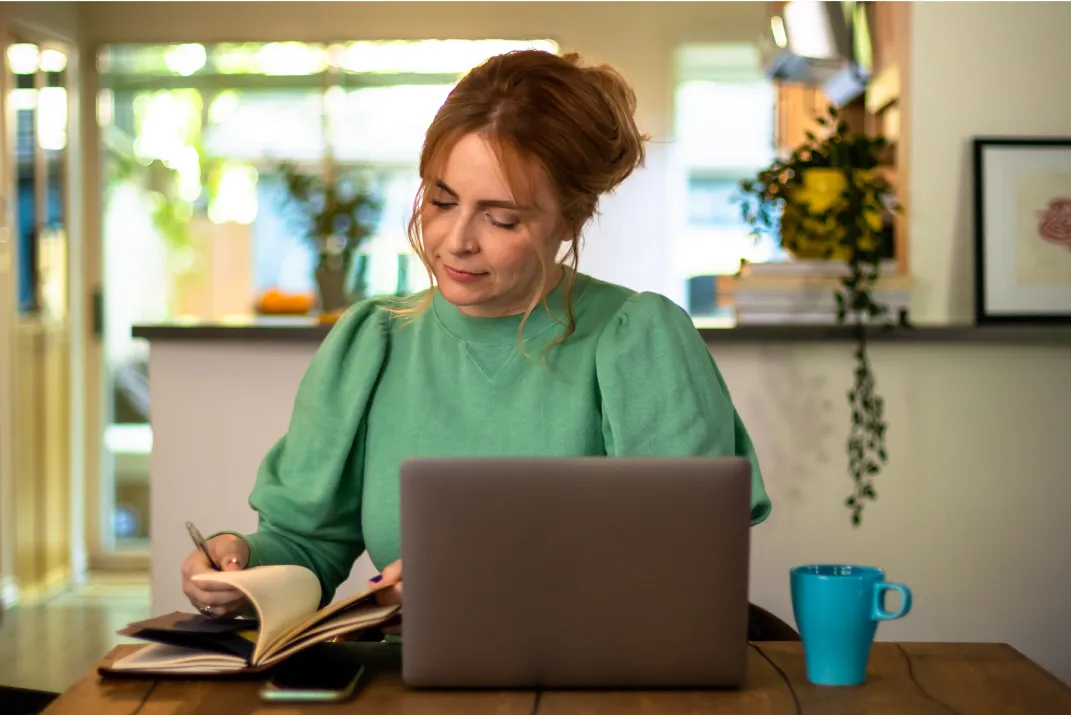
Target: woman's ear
column 563, row 232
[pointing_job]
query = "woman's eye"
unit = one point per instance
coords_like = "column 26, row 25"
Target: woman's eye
column 441, row 204
column 506, row 225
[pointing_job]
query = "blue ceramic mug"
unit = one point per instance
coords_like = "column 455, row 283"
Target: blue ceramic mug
column 837, row 609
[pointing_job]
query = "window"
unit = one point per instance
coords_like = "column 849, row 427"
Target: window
column 194, row 136
column 724, row 128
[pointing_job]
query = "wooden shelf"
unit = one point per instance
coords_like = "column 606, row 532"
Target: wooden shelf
column 882, row 110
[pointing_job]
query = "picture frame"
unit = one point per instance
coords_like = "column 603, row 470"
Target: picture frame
column 1022, row 229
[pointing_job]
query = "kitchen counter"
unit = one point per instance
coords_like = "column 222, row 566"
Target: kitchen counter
column 308, row 329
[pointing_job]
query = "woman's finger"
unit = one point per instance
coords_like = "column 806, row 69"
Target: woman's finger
column 205, row 585
column 390, row 595
column 212, row 598
column 195, row 590
column 217, row 598
column 392, row 574
column 231, row 563
column 229, row 551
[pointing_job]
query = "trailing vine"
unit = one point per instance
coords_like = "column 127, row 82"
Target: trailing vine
column 847, row 228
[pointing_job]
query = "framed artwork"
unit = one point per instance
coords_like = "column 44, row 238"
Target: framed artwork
column 1022, row 224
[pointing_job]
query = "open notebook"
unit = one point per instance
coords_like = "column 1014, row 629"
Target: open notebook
column 286, row 600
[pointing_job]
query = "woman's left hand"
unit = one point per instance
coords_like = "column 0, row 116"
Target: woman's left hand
column 388, row 587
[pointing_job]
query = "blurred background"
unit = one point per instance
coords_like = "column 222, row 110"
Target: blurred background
column 161, row 164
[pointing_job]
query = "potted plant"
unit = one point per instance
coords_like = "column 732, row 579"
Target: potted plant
column 828, row 200
column 336, row 213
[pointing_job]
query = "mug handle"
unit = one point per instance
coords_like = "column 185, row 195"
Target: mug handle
column 880, row 614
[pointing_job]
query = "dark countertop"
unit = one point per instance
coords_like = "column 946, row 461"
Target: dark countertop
column 303, row 330
column 254, row 329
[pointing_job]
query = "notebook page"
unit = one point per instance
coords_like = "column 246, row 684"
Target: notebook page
column 284, row 596
column 171, row 659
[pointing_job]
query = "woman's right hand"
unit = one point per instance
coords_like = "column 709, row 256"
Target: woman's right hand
column 216, row 600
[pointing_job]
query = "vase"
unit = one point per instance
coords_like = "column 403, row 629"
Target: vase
column 342, row 280
column 806, row 233
column 402, row 281
column 360, row 263
column 331, row 284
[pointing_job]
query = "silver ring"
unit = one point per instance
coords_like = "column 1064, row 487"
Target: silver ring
column 205, row 610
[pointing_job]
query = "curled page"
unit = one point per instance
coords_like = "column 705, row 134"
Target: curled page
column 283, row 597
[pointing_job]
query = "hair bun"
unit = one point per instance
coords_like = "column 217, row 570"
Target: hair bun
column 625, row 151
column 576, row 122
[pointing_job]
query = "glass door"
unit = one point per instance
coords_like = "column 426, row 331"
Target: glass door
column 37, row 330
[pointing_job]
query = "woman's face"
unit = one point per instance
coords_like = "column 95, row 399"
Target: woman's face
column 484, row 249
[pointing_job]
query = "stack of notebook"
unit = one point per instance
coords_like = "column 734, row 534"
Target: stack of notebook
column 288, row 620
column 803, row 292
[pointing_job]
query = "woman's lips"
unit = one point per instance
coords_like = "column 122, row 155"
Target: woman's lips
column 462, row 276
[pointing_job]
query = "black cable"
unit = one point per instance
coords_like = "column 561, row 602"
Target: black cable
column 784, row 677
column 536, row 702
column 911, row 674
column 145, row 699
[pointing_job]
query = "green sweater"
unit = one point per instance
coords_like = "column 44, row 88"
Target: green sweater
column 635, row 379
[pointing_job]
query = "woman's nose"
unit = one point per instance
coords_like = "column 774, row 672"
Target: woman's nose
column 462, row 238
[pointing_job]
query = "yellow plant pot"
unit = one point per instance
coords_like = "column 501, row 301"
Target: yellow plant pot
column 808, row 236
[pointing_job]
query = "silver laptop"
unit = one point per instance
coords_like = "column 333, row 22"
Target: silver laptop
column 587, row 572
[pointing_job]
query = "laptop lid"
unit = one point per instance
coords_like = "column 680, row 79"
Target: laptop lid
column 575, row 572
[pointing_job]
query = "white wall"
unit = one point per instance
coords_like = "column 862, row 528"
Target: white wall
column 972, row 509
column 978, row 69
column 58, row 20
column 628, row 242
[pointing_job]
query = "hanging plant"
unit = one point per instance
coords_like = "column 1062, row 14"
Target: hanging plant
column 828, row 201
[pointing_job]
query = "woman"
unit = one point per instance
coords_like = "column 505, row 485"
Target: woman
column 513, row 353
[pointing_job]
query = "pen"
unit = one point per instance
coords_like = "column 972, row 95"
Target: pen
column 199, row 542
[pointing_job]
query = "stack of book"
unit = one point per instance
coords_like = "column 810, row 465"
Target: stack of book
column 803, row 292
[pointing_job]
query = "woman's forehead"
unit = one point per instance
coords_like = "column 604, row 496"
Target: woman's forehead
column 478, row 167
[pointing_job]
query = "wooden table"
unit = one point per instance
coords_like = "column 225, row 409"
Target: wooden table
column 903, row 678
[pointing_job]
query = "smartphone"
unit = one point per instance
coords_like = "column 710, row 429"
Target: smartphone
column 329, row 674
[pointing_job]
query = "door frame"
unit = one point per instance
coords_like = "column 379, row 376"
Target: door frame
column 9, row 261
column 99, row 474
column 15, row 30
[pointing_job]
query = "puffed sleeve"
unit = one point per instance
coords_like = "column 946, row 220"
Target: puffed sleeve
column 308, row 489
column 663, row 395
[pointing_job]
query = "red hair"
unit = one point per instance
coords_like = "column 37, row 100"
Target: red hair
column 541, row 114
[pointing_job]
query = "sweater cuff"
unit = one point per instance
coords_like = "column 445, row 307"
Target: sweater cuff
column 265, row 549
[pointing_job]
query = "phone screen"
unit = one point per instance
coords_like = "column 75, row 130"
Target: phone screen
column 323, row 672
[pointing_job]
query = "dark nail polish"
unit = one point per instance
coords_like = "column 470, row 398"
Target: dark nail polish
column 377, row 578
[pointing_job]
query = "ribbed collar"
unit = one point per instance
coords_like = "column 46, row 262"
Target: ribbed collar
column 504, row 330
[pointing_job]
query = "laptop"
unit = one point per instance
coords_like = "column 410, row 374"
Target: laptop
column 588, row 572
